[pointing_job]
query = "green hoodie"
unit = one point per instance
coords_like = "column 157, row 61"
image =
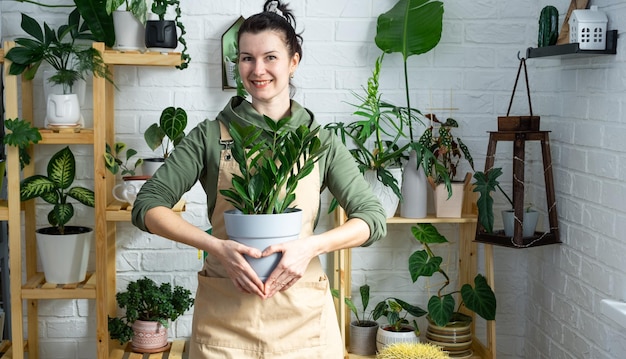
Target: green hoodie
column 196, row 158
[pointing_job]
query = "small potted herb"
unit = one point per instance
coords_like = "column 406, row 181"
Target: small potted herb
column 147, row 304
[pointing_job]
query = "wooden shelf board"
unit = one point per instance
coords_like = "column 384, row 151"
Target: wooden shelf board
column 4, row 210
column 121, row 212
column 177, row 351
column 6, row 349
column 433, row 219
column 115, row 57
column 37, row 288
column 66, row 136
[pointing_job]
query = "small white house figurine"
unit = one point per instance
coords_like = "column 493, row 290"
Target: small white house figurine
column 588, row 29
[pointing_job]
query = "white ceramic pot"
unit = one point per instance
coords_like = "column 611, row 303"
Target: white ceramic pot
column 261, row 231
column 149, row 337
column 79, row 88
column 388, row 199
column 63, row 110
column 449, row 207
column 414, row 190
column 151, row 165
column 64, row 257
column 385, row 337
column 528, row 226
column 130, row 33
column 128, row 189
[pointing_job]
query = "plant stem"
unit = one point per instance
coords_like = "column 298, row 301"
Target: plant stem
column 408, row 100
column 505, row 195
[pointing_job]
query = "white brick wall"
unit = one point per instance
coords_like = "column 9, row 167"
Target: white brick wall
column 548, row 296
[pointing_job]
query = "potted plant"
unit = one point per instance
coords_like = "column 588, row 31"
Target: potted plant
column 64, row 249
column 411, row 27
column 171, row 128
column 444, row 319
column 21, row 135
column 161, row 34
column 132, row 182
column 384, row 125
column 129, row 20
column 148, row 306
column 448, row 152
column 71, row 62
column 398, row 329
column 363, row 329
column 264, row 193
column 485, row 184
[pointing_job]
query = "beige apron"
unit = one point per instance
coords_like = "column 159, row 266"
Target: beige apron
column 297, row 323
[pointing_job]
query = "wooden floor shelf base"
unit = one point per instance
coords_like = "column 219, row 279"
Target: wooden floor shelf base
column 177, row 351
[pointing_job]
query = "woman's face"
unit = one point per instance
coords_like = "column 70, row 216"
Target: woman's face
column 265, row 66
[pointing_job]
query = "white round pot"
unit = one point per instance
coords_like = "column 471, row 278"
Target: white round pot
column 151, row 165
column 528, row 226
column 130, row 33
column 64, row 257
column 388, row 199
column 261, row 231
column 385, row 337
column 63, row 110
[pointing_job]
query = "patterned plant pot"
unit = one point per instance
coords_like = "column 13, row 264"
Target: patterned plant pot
column 455, row 337
column 149, row 337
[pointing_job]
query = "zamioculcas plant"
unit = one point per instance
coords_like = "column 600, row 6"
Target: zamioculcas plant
column 268, row 167
column 55, row 188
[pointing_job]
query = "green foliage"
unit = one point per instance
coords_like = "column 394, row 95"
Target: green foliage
column 22, row 134
column 447, row 150
column 171, row 125
column 55, row 188
column 71, row 61
column 114, row 162
column 364, row 291
column 485, row 184
column 269, row 167
column 411, row 27
column 423, row 263
column 159, row 8
column 147, row 301
column 396, row 311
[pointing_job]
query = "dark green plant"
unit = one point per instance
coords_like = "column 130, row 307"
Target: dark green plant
column 114, row 162
column 447, row 150
column 22, row 134
column 147, row 301
column 172, row 123
column 159, row 8
column 396, row 311
column 364, row 290
column 55, row 188
column 139, row 8
column 71, row 61
column 411, row 27
column 96, row 17
column 441, row 306
column 271, row 162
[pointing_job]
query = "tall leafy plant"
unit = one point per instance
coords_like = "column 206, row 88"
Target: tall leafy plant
column 411, row 27
column 170, row 128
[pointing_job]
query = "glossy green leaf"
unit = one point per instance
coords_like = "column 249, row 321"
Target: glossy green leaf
column 480, row 299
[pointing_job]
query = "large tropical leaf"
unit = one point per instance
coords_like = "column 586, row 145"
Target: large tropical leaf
column 173, row 121
column 99, row 21
column 427, row 233
column 83, row 195
column 420, row 264
column 485, row 184
column 480, row 299
column 440, row 309
column 35, row 186
column 62, row 168
column 411, row 27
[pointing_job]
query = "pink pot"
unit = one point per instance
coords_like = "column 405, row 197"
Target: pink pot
column 149, row 336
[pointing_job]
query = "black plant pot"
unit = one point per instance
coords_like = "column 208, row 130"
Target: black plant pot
column 161, row 34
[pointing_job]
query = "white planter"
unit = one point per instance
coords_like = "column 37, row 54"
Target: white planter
column 261, row 231
column 388, row 199
column 151, row 165
column 63, row 110
column 64, row 257
column 385, row 337
column 414, row 190
column 130, row 33
column 528, row 227
column 449, row 207
column 79, row 88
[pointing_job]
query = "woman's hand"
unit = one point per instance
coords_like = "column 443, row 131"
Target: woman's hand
column 231, row 255
column 296, row 257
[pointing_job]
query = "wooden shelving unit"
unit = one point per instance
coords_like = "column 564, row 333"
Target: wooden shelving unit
column 468, row 268
column 99, row 285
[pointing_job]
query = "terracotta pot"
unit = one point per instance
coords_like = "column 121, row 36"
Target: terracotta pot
column 149, row 336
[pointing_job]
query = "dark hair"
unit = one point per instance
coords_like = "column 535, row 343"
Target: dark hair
column 268, row 20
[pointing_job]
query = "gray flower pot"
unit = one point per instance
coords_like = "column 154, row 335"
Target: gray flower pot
column 261, row 231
